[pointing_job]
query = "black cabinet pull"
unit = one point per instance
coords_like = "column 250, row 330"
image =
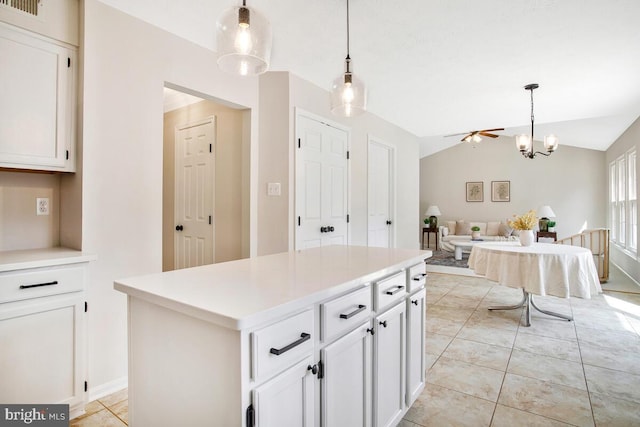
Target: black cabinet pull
column 398, row 289
column 354, row 312
column 383, row 323
column 371, row 331
column 278, row 351
column 55, row 282
column 313, row 369
column 414, row 302
column 417, row 277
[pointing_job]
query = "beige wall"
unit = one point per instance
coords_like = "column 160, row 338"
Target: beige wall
column 20, row 227
column 126, row 65
column 280, row 94
column 228, row 204
column 628, row 140
column 572, row 181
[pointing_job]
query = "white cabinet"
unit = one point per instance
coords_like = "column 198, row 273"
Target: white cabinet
column 42, row 335
column 346, row 387
column 389, row 367
column 37, row 123
column 416, row 316
column 287, row 400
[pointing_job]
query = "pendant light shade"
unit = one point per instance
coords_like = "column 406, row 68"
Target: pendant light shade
column 348, row 94
column 243, row 37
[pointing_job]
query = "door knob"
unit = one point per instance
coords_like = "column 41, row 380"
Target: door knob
column 388, row 222
column 179, row 228
column 331, row 228
column 323, row 229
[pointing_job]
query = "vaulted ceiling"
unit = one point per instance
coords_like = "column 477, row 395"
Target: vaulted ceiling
column 441, row 67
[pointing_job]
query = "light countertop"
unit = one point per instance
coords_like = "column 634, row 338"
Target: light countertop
column 245, row 293
column 35, row 258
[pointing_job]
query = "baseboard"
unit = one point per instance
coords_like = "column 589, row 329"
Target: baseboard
column 106, row 389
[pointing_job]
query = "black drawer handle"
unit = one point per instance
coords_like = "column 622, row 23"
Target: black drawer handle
column 398, row 289
column 418, row 277
column 278, row 351
column 55, row 282
column 354, row 312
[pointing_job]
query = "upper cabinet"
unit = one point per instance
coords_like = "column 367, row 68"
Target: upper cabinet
column 37, row 119
column 38, row 81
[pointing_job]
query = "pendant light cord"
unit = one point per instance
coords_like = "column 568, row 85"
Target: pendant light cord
column 347, row 28
column 532, row 119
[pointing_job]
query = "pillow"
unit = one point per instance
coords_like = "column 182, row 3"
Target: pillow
column 493, row 228
column 463, row 228
column 504, row 230
column 451, row 225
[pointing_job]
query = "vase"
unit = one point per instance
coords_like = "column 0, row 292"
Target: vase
column 526, row 237
column 475, row 235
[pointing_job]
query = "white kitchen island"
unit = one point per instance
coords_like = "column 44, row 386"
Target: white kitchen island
column 330, row 336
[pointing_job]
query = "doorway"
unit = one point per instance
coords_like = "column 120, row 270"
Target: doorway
column 229, row 178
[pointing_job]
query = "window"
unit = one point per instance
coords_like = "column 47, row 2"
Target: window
column 623, row 209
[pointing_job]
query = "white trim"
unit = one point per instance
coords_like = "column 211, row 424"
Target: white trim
column 106, row 389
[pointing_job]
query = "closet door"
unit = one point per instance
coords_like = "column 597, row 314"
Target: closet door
column 321, row 183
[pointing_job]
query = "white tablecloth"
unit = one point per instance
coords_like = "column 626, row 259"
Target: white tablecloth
column 541, row 269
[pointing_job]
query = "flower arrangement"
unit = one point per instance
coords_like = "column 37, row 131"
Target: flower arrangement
column 524, row 222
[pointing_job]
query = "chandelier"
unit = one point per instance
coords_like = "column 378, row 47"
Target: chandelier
column 525, row 143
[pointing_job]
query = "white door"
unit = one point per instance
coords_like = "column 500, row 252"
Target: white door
column 287, row 400
column 194, row 231
column 321, row 184
column 346, row 386
column 389, row 368
column 416, row 312
column 380, row 194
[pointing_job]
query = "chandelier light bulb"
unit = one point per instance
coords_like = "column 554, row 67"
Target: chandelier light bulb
column 551, row 142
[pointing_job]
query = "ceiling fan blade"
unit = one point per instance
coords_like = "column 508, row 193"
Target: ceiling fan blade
column 491, row 130
column 490, row 135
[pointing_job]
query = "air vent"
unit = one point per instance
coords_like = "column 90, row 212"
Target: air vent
column 27, row 6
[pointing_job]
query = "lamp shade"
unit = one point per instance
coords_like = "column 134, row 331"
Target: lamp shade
column 432, row 211
column 243, row 39
column 546, row 212
column 348, row 96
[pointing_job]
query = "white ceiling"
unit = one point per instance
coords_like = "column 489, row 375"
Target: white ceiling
column 441, row 67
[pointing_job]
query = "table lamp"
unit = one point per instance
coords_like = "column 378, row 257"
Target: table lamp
column 432, row 212
column 544, row 213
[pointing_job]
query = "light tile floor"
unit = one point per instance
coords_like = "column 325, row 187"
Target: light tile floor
column 486, row 369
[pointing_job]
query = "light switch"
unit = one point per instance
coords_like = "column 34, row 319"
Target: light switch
column 273, row 189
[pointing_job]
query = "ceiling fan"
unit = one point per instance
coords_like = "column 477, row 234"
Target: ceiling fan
column 474, row 135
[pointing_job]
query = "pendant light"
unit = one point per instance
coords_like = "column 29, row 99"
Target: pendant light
column 243, row 37
column 525, row 143
column 348, row 94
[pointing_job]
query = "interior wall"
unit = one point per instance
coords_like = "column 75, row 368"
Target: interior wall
column 20, row 226
column 280, row 95
column 628, row 140
column 572, row 181
column 126, row 65
column 228, row 202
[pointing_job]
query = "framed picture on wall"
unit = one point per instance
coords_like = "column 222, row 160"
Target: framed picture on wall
column 475, row 191
column 500, row 191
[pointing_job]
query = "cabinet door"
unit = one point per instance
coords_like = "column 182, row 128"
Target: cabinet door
column 346, row 385
column 42, row 350
column 288, row 399
column 37, row 102
column 415, row 345
column 389, row 366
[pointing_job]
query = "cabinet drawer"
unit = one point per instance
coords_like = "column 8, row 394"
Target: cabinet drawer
column 345, row 313
column 280, row 345
column 390, row 289
column 25, row 284
column 416, row 277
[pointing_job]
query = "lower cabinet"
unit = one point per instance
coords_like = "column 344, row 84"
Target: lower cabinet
column 416, row 317
column 346, row 387
column 288, row 400
column 389, row 366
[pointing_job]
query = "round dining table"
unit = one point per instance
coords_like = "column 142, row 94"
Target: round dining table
column 540, row 269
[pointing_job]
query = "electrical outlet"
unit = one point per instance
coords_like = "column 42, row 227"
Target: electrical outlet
column 273, row 189
column 42, row 206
